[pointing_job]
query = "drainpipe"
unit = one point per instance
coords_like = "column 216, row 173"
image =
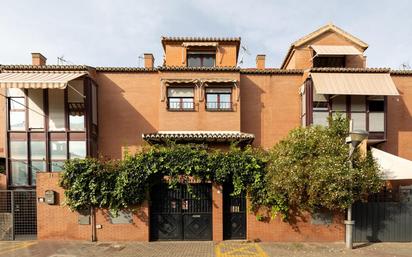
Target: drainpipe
column 93, row 222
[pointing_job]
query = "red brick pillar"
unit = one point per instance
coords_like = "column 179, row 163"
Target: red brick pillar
column 217, row 205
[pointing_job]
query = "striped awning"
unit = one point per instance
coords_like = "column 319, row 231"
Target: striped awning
column 354, row 84
column 199, row 136
column 335, row 50
column 38, row 79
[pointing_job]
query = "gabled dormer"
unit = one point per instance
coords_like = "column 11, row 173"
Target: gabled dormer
column 200, row 51
column 329, row 46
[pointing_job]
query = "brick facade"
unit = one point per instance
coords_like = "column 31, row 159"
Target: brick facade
column 266, row 104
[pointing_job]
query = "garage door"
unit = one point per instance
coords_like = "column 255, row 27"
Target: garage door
column 177, row 214
column 384, row 221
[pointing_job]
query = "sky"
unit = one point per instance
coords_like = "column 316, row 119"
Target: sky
column 116, row 33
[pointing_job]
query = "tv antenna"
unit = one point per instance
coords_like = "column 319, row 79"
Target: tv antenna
column 243, row 50
column 62, row 61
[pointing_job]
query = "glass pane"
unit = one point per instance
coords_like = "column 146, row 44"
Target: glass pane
column 19, row 173
column 376, row 122
column 180, row 92
column 376, row 106
column 17, row 103
column 17, row 120
column 193, row 61
column 56, row 109
column 187, row 103
column 38, row 150
column 320, row 118
column 58, row 150
column 174, row 103
column 15, row 92
column 75, row 91
column 36, row 111
column 358, row 103
column 359, row 121
column 37, row 166
column 225, row 101
column 57, row 166
column 18, row 150
column 211, row 101
column 208, row 61
column 339, row 103
column 77, row 149
column 76, row 122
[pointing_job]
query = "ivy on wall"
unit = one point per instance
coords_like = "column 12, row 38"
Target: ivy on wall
column 307, row 170
column 124, row 183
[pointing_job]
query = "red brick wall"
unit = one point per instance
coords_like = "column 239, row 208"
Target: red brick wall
column 217, row 215
column 57, row 222
column 299, row 230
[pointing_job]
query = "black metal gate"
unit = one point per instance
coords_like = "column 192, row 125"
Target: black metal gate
column 383, row 220
column 234, row 214
column 181, row 215
column 18, row 214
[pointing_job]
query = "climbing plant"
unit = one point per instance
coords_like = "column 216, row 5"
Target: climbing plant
column 125, row 183
column 307, row 170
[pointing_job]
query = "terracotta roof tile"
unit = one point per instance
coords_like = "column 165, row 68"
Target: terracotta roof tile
column 401, row 72
column 271, row 71
column 182, row 68
column 125, row 69
column 45, row 67
column 351, row 70
column 203, row 39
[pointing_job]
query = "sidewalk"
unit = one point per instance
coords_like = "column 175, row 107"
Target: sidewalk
column 197, row 249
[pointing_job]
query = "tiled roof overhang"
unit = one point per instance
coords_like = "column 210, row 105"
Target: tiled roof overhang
column 350, row 70
column 271, row 71
column 125, row 69
column 47, row 67
column 199, row 136
column 401, row 72
column 219, row 69
column 202, row 39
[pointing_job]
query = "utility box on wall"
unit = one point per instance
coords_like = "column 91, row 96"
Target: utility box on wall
column 50, row 197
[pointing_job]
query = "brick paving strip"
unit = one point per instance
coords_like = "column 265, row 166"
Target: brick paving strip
column 239, row 249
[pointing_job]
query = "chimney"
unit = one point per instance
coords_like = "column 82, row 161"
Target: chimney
column 38, row 59
column 260, row 61
column 148, row 61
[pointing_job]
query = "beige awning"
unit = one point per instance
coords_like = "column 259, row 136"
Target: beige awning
column 180, row 81
column 211, row 44
column 218, row 80
column 354, row 84
column 38, row 79
column 392, row 166
column 335, row 50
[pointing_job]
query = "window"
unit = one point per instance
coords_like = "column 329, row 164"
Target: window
column 36, row 109
column 320, row 110
column 56, row 110
column 77, row 149
column 219, row 99
column 18, row 163
column 180, row 98
column 201, row 58
column 376, row 107
column 328, row 61
column 76, row 105
column 17, row 110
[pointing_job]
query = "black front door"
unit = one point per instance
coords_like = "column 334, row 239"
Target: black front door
column 234, row 214
column 177, row 214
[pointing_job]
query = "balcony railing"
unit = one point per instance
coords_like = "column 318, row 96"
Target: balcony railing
column 181, row 106
column 219, row 106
